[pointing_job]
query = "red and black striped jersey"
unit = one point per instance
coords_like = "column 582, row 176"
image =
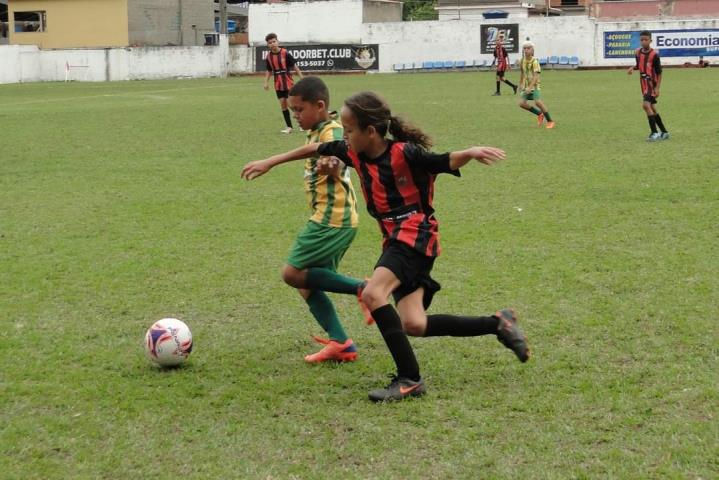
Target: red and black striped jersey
column 501, row 57
column 650, row 67
column 280, row 64
column 398, row 187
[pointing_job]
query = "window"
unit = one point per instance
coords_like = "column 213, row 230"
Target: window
column 30, row 22
column 570, row 3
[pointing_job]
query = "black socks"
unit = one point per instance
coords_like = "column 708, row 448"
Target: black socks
column 286, row 114
column 458, row 326
column 390, row 326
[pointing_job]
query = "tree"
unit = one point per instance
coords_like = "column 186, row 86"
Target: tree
column 416, row 10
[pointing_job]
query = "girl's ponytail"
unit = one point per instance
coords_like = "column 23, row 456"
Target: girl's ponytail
column 406, row 132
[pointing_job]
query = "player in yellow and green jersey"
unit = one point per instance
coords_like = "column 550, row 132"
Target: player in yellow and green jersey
column 530, row 84
column 312, row 263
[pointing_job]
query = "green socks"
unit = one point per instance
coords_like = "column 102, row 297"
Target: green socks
column 325, row 314
column 330, row 281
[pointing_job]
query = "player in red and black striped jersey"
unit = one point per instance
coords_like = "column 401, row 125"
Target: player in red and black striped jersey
column 397, row 176
column 650, row 78
column 501, row 58
column 280, row 65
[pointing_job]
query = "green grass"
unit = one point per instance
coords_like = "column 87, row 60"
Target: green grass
column 121, row 203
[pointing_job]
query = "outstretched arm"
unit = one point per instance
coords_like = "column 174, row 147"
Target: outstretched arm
column 486, row 155
column 259, row 167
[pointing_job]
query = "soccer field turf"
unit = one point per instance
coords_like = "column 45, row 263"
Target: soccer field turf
column 121, row 203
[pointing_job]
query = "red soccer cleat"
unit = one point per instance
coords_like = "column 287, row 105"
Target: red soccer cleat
column 333, row 351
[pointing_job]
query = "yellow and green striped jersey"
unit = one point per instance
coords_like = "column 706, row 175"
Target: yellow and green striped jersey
column 331, row 198
column 530, row 69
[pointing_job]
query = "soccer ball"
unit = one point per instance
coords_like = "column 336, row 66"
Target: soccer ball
column 168, row 342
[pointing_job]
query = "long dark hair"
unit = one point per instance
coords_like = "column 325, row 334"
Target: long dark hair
column 371, row 109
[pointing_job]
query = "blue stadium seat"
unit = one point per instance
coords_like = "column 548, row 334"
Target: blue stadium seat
column 448, row 64
column 398, row 67
column 460, row 64
column 426, row 65
column 574, row 61
column 564, row 60
column 553, row 60
column 543, row 61
column 437, row 65
column 409, row 66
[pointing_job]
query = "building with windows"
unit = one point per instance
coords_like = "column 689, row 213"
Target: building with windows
column 108, row 23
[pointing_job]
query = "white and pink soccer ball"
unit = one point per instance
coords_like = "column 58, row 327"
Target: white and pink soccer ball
column 168, row 342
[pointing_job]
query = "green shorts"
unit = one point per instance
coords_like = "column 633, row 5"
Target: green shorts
column 535, row 95
column 320, row 246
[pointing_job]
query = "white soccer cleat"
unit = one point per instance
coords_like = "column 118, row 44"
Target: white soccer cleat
column 286, row 130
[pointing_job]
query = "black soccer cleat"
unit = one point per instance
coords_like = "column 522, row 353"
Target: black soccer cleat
column 509, row 334
column 398, row 389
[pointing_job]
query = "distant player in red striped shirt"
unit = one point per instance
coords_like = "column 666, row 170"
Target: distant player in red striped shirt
column 650, row 78
column 280, row 65
column 397, row 177
column 501, row 58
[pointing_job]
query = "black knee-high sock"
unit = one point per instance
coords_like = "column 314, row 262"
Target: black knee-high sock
column 286, row 114
column 458, row 326
column 497, row 86
column 652, row 122
column 510, row 84
column 390, row 326
column 660, row 124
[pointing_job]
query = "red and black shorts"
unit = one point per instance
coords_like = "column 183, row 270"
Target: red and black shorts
column 650, row 98
column 412, row 269
column 282, row 93
column 500, row 73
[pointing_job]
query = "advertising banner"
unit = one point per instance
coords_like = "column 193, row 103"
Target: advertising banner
column 669, row 43
column 489, row 37
column 338, row 57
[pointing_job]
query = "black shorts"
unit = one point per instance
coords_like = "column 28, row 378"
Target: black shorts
column 650, row 98
column 412, row 269
column 500, row 73
column 282, row 93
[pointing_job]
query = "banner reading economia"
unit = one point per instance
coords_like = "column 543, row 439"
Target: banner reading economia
column 326, row 57
column 669, row 43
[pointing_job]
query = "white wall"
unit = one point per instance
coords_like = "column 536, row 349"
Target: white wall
column 399, row 42
column 311, row 22
column 416, row 42
column 27, row 63
column 407, row 42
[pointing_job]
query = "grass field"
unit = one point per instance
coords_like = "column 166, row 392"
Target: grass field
column 121, row 203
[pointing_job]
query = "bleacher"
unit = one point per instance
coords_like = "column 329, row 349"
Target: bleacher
column 550, row 62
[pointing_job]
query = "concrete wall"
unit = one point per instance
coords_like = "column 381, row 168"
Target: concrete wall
column 429, row 41
column 27, row 63
column 313, row 22
column 376, row 11
column 73, row 23
column 399, row 42
column 416, row 42
column 169, row 22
